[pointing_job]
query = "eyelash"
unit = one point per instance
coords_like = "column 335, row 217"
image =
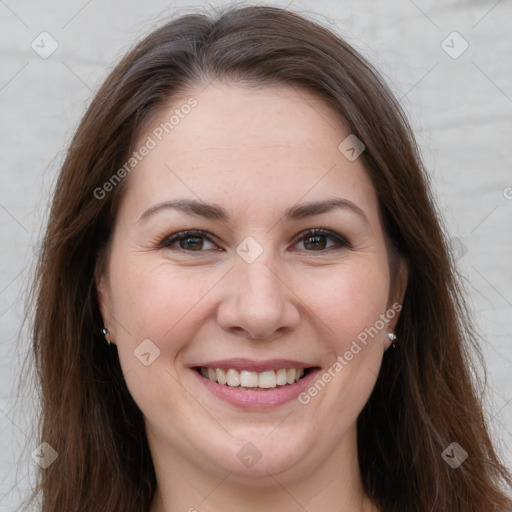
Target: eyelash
column 176, row 237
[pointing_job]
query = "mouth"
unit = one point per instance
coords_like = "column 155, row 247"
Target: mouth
column 254, row 385
column 250, row 380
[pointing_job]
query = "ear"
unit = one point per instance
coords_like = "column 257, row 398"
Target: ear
column 105, row 303
column 397, row 294
column 400, row 282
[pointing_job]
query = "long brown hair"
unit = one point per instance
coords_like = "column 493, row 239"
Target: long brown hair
column 427, row 394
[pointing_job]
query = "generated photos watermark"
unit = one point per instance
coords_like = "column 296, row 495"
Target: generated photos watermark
column 343, row 360
column 150, row 143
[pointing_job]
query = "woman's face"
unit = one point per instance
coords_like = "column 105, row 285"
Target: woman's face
column 250, row 290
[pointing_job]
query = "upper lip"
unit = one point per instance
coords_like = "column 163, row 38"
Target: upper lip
column 254, row 365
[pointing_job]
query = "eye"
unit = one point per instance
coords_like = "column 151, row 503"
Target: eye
column 190, row 241
column 315, row 240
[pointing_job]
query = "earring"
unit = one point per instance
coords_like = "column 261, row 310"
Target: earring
column 392, row 337
column 106, row 334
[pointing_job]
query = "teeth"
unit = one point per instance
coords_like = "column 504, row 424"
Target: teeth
column 267, row 379
column 233, row 378
column 281, row 377
column 248, row 379
column 221, row 376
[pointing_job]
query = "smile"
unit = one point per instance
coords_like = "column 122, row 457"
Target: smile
column 252, row 380
column 255, row 390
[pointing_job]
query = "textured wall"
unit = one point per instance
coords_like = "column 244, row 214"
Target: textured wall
column 447, row 62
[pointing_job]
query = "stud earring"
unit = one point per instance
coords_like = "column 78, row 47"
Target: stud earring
column 392, row 337
column 106, row 334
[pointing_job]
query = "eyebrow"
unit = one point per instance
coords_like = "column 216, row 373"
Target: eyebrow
column 216, row 212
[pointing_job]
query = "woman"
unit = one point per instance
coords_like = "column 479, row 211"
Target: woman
column 244, row 297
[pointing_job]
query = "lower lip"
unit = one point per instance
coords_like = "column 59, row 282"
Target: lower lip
column 264, row 399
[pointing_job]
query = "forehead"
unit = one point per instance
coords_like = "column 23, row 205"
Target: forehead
column 235, row 143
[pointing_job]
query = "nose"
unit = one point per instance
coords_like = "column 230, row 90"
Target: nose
column 258, row 301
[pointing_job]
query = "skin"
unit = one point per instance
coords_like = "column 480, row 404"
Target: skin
column 255, row 152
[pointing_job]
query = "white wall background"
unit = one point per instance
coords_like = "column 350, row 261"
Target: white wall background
column 460, row 107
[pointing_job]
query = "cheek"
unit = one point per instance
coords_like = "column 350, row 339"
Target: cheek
column 347, row 300
column 156, row 306
column 155, row 299
column 348, row 305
